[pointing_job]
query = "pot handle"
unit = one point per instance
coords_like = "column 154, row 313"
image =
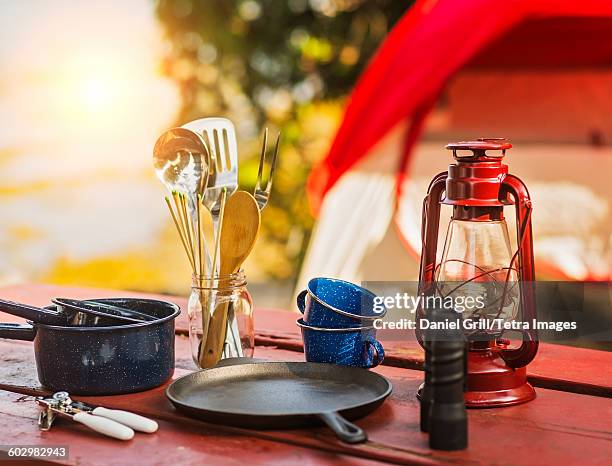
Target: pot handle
column 344, row 430
column 17, row 331
column 301, row 300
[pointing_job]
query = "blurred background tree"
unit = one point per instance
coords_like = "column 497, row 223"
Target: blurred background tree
column 286, row 65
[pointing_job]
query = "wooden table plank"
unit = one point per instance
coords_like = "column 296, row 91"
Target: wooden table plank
column 17, row 374
column 558, row 427
column 175, row 443
column 556, row 367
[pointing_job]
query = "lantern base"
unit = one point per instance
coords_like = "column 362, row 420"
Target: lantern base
column 490, row 383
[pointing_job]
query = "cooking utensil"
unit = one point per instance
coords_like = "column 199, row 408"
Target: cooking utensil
column 111, row 422
column 232, row 347
column 209, row 308
column 102, row 309
column 64, row 401
column 188, row 229
column 62, row 316
column 240, row 228
column 208, row 241
column 262, row 195
column 181, row 160
column 238, row 234
column 35, row 314
column 242, row 225
column 104, row 360
column 219, row 136
column 277, row 395
column 217, row 234
column 56, row 406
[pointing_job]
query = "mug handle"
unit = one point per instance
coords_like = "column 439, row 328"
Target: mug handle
column 301, row 300
column 379, row 352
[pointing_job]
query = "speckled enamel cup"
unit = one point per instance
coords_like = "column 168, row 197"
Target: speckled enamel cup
column 333, row 303
column 355, row 347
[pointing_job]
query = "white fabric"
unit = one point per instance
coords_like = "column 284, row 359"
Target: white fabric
column 354, row 219
column 355, row 216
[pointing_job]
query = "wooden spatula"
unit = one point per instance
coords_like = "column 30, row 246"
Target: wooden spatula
column 240, row 226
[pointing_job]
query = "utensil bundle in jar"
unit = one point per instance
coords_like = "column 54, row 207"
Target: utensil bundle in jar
column 217, row 226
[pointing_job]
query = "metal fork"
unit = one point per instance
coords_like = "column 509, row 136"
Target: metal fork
column 262, row 195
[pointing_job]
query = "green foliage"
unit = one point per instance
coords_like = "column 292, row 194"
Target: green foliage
column 282, row 64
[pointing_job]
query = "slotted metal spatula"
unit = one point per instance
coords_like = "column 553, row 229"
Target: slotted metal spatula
column 219, row 135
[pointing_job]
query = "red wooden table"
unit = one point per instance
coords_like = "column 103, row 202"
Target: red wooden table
column 570, row 422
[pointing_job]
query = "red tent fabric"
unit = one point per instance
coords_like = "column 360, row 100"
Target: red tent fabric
column 436, row 39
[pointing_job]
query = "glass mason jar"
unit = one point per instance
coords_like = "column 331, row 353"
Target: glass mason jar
column 220, row 312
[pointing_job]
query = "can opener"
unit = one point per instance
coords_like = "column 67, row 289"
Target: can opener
column 110, row 422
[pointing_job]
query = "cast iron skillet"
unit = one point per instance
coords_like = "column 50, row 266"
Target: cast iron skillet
column 273, row 395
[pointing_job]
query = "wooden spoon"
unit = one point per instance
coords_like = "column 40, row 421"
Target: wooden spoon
column 240, row 226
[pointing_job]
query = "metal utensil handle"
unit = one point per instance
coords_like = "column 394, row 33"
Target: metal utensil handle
column 35, row 314
column 88, row 308
column 344, row 430
column 120, row 311
column 233, row 333
column 17, row 331
column 134, row 421
column 104, row 426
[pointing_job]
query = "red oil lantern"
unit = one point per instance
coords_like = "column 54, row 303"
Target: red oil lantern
column 478, row 261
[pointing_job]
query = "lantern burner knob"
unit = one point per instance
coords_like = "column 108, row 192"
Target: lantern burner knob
column 477, row 149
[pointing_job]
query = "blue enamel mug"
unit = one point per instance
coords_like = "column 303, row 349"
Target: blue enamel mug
column 333, row 303
column 355, row 347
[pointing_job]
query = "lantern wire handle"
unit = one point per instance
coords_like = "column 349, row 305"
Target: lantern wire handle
column 518, row 248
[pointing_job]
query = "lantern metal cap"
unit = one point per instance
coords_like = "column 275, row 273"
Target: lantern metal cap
column 479, row 148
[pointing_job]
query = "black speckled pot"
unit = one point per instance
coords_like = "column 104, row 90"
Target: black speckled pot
column 104, row 360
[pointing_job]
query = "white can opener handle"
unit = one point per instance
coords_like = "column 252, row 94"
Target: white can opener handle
column 104, row 426
column 135, row 421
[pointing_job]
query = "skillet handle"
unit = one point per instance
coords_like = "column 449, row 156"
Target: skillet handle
column 17, row 331
column 344, row 430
